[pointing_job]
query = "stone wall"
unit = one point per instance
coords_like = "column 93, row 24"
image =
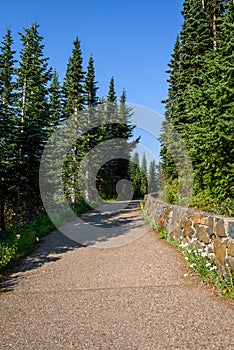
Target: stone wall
column 210, row 232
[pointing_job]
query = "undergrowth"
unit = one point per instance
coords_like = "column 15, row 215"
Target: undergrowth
column 199, row 261
column 16, row 243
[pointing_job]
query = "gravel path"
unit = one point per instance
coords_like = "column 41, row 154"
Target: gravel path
column 139, row 295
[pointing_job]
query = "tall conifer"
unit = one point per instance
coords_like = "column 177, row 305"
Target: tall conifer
column 8, row 126
column 33, row 76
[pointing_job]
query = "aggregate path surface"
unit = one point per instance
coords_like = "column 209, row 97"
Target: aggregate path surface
column 139, row 295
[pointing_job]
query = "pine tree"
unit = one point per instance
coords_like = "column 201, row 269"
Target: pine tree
column 135, row 175
column 90, row 86
column 7, row 126
column 212, row 136
column 153, row 180
column 55, row 100
column 111, row 102
column 74, row 103
column 93, row 134
column 167, row 163
column 214, row 9
column 74, row 82
column 144, row 175
column 107, row 173
column 195, row 38
column 33, row 76
column 203, row 104
column 185, row 74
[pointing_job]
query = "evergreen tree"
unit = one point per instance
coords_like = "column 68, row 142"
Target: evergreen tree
column 214, row 8
column 167, row 163
column 55, row 99
column 33, row 76
column 92, row 135
column 111, row 102
column 7, row 126
column 116, row 125
column 212, row 135
column 74, row 98
column 135, row 175
column 90, row 86
column 111, row 96
column 144, row 175
column 200, row 103
column 195, row 38
column 74, row 102
column 107, row 173
column 153, row 180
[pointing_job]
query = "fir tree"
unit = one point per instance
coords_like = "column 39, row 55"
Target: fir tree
column 212, row 135
column 55, row 99
column 7, row 126
column 92, row 135
column 153, row 180
column 214, row 8
column 90, row 86
column 74, row 102
column 135, row 175
column 195, row 38
column 144, row 175
column 74, row 82
column 33, row 76
column 167, row 163
column 200, row 103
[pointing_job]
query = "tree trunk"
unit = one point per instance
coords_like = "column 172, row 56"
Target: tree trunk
column 215, row 32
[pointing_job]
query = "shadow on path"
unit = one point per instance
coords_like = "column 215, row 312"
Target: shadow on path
column 49, row 250
column 105, row 225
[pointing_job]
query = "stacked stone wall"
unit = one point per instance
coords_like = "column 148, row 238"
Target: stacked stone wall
column 212, row 233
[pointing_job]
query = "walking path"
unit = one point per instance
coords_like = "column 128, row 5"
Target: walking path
column 137, row 295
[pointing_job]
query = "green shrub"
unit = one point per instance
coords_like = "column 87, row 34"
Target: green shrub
column 16, row 244
column 163, row 234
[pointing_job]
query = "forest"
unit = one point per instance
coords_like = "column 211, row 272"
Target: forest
column 33, row 103
column 200, row 104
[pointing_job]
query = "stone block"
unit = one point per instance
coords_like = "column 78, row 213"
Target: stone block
column 202, row 234
column 230, row 250
column 220, row 251
column 191, row 232
column 220, row 229
column 230, row 228
column 185, row 225
column 196, row 218
column 196, row 245
column 230, row 262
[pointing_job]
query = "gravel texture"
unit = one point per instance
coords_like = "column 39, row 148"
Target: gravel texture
column 136, row 296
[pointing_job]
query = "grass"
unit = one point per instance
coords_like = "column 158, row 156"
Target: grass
column 199, row 261
column 17, row 244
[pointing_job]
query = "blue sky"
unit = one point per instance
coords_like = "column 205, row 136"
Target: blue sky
column 131, row 40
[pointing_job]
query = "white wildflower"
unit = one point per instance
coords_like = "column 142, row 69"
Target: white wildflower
column 213, row 268
column 208, row 264
column 186, row 258
column 189, row 251
column 192, row 265
column 37, row 239
column 203, row 254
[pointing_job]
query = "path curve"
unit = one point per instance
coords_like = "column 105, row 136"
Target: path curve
column 137, row 296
